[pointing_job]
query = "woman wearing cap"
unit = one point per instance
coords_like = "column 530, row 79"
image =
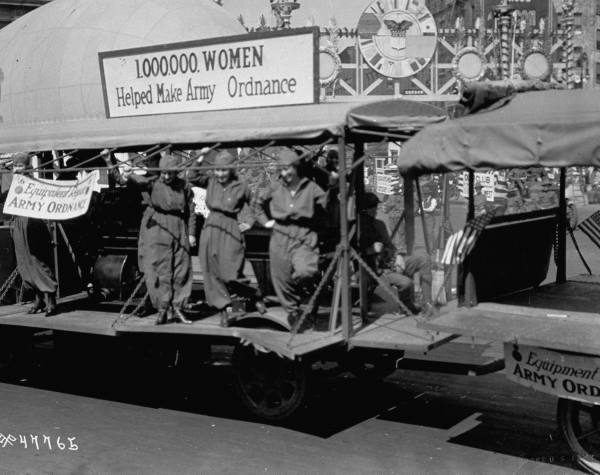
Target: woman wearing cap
column 222, row 246
column 295, row 205
column 33, row 245
column 167, row 232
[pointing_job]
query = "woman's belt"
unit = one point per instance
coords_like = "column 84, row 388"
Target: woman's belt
column 300, row 222
column 172, row 212
column 229, row 214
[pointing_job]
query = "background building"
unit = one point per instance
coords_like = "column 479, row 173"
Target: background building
column 10, row 11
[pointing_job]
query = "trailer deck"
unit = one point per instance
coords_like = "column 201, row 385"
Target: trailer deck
column 557, row 316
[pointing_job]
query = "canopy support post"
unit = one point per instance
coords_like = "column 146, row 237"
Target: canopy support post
column 409, row 212
column 561, row 258
column 471, row 207
column 345, row 258
column 360, row 190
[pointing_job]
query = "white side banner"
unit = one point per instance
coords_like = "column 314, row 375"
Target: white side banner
column 253, row 70
column 562, row 374
column 49, row 199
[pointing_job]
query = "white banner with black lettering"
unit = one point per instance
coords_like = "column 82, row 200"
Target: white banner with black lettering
column 254, row 70
column 562, row 374
column 49, row 199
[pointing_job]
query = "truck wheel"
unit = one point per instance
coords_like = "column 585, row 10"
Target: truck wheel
column 271, row 387
column 580, row 425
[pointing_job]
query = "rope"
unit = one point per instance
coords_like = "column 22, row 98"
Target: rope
column 315, row 295
column 377, row 278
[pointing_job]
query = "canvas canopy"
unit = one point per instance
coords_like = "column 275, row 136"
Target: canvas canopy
column 554, row 128
column 395, row 115
column 51, row 89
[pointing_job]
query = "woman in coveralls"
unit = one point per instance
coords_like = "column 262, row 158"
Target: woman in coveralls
column 166, row 234
column 33, row 251
column 222, row 246
column 296, row 208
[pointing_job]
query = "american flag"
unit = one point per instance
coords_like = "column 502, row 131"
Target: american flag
column 591, row 227
column 460, row 244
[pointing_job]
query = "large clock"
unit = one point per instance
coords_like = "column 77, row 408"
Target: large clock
column 397, row 38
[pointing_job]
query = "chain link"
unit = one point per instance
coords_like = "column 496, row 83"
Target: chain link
column 8, row 284
column 122, row 315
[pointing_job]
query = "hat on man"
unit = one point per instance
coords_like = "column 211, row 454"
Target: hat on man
column 169, row 161
column 21, row 158
column 223, row 158
column 288, row 158
column 370, row 200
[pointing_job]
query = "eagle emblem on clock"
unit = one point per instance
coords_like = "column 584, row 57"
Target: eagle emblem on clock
column 397, row 38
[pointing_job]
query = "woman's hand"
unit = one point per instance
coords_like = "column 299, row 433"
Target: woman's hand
column 244, row 227
column 192, row 241
column 269, row 224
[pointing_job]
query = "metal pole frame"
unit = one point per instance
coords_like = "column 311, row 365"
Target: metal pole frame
column 344, row 242
column 359, row 184
column 561, row 261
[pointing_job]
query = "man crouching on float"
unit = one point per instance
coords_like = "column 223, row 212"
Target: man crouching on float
column 295, row 206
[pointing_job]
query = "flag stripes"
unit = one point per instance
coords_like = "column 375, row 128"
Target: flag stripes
column 460, row 244
column 591, row 227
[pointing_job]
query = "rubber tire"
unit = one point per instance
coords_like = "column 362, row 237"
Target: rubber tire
column 256, row 372
column 568, row 412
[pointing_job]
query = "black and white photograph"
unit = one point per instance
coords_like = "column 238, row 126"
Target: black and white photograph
column 299, row 237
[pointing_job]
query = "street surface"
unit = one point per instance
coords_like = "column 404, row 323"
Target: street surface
column 113, row 415
column 412, row 423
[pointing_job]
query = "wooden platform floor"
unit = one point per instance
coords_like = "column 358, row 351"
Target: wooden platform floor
column 78, row 321
column 578, row 294
column 399, row 332
column 562, row 317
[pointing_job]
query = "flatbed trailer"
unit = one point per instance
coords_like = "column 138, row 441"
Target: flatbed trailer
column 550, row 332
column 271, row 360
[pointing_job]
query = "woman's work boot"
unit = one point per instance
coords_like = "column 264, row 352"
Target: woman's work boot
column 226, row 315
column 38, row 304
column 51, row 308
column 162, row 317
column 260, row 307
column 178, row 316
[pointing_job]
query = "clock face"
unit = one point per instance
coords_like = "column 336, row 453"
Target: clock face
column 397, row 38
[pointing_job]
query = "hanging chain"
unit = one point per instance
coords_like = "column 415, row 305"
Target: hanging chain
column 124, row 316
column 8, row 284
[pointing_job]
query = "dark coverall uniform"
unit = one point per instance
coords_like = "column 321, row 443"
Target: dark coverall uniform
column 164, row 240
column 32, row 243
column 222, row 245
column 374, row 230
column 293, row 248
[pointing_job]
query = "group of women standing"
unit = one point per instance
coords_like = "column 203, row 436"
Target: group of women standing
column 167, row 235
column 290, row 207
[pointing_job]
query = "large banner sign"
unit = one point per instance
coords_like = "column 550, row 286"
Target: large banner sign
column 49, row 199
column 562, row 374
column 254, row 70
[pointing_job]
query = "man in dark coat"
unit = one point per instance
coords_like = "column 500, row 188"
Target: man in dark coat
column 33, row 251
column 395, row 269
column 296, row 209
